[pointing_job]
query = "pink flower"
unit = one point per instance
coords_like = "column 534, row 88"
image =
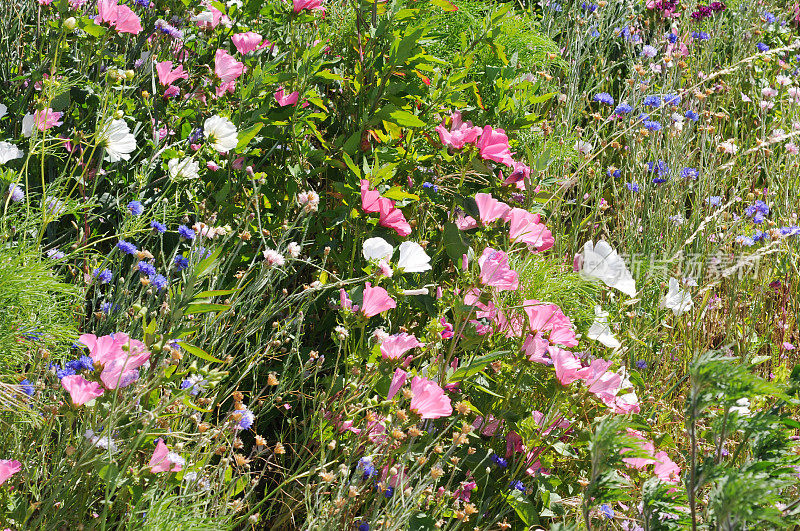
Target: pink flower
column 8, row 468
column 447, row 333
column 227, row 67
column 429, row 400
column 284, row 100
column 518, row 175
column 370, row 199
column 398, row 380
column 489, row 426
column 393, row 218
column 549, row 318
column 310, row 5
column 80, row 389
column 566, row 364
column 525, row 227
column 248, row 42
column 376, row 300
column 464, row 222
column 165, row 461
column 600, row 381
column 535, row 348
column 345, row 301
column 666, row 469
column 121, row 18
column 641, row 444
column 119, row 355
column 513, row 444
column 460, row 133
column 495, row 271
column 490, row 209
column 493, row 145
column 166, row 75
column 46, row 119
column 398, row 344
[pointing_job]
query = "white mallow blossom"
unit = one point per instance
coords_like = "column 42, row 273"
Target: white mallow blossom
column 601, row 331
column 677, row 300
column 3, row 110
column 221, row 133
column 185, row 168
column 9, row 151
column 742, row 407
column 376, row 249
column 602, row 262
column 117, row 139
column 413, row 258
column 27, row 125
column 104, row 442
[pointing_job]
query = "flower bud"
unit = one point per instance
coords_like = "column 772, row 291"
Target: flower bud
column 70, row 24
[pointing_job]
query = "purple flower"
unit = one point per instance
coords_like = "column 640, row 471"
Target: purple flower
column 146, row 269
column 181, row 262
column 186, row 233
column 652, row 101
column 16, row 193
column 762, row 47
column 104, row 277
column 126, row 247
column 158, row 227
column 633, row 187
column 623, row 108
column 159, row 282
column 604, row 97
column 246, row 421
column 135, row 208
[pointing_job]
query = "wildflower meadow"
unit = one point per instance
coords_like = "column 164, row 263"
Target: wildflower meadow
column 399, row 265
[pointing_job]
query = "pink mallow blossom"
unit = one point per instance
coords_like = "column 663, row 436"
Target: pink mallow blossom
column 121, row 18
column 526, row 227
column 460, row 133
column 80, row 389
column 119, row 356
column 248, row 42
column 567, row 366
column 429, row 400
column 376, row 300
column 8, row 468
column 398, row 381
column 165, row 461
column 284, row 99
column 490, row 209
column 166, row 74
column 495, row 271
column 493, row 145
column 310, row 5
column 398, row 344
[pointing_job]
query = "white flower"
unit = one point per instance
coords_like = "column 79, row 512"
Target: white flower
column 600, row 331
column 742, row 407
column 677, row 300
column 728, row 147
column 602, row 262
column 274, row 258
column 184, row 168
column 583, row 147
column 116, row 137
column 293, row 249
column 9, row 151
column 221, row 133
column 27, row 125
column 413, row 258
column 376, row 249
column 3, row 110
column 105, row 442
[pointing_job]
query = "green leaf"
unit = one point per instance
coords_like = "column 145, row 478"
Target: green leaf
column 205, row 266
column 445, row 5
column 525, row 509
column 454, row 244
column 189, row 403
column 205, row 307
column 351, row 165
column 406, row 119
column 109, row 472
column 476, row 365
column 246, row 135
column 398, row 194
column 215, row 293
column 88, row 25
column 200, row 353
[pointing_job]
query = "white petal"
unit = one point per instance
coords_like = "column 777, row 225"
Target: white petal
column 602, row 262
column 377, row 249
column 413, row 258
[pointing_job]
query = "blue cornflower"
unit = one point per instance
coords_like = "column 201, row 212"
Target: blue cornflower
column 16, row 192
column 607, row 511
column 74, row 365
column 86, row 363
column 146, row 269
column 745, row 240
column 651, row 125
column 159, row 282
column 659, row 180
column 689, row 173
column 27, row 387
column 63, row 373
column 758, row 211
column 196, row 135
column 769, row 18
column 623, row 108
column 126, row 247
column 693, row 116
column 555, row 7
column 430, row 186
column 517, row 484
column 660, row 168
column 181, row 262
column 195, row 384
column 762, row 47
column 55, row 254
column 136, row 208
column 499, row 461
column 591, row 8
column 363, row 526
column 388, row 492
column 616, row 173
column 652, row 101
column 649, row 51
column 107, row 307
column 143, row 3
column 246, row 422
column 185, row 232
column 714, row 200
column 633, row 187
column 366, row 466
column 158, row 227
column 759, row 235
column 792, row 230
column 700, row 36
column 641, row 364
column 201, row 251
column 604, row 97
column 104, row 277
column 672, row 99
column 672, row 38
